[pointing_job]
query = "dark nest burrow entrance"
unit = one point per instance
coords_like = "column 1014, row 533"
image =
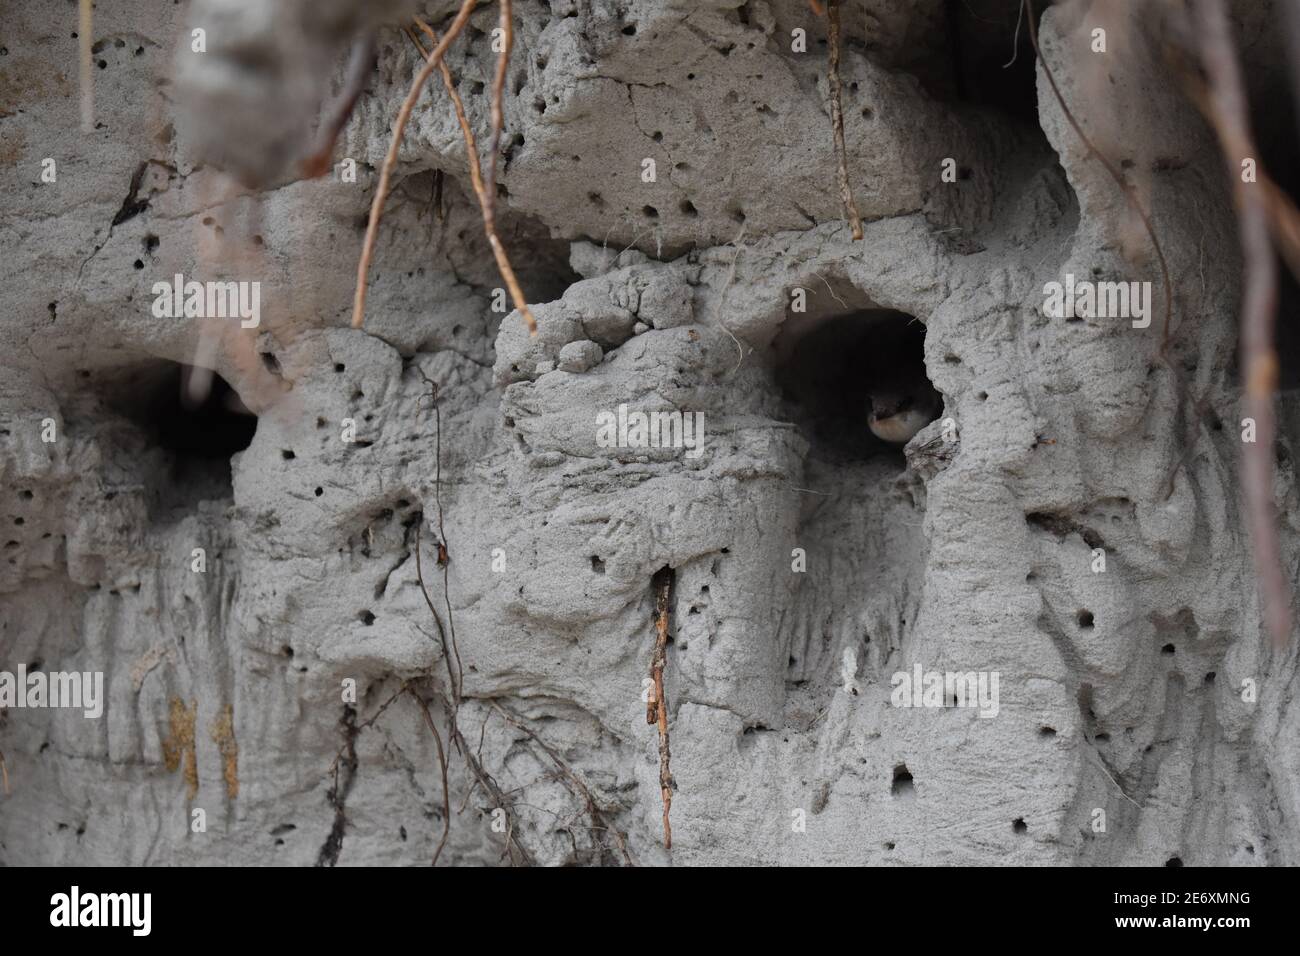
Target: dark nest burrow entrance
column 191, row 415
column 833, row 370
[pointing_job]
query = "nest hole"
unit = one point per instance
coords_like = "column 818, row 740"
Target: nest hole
column 835, row 371
column 902, row 785
column 193, row 417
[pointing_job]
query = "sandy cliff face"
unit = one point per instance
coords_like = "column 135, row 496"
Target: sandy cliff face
column 811, row 563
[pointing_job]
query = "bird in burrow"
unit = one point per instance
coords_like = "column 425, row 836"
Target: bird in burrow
column 898, row 411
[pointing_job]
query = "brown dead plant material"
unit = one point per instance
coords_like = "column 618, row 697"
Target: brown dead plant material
column 1284, row 220
column 831, row 10
column 451, row 702
column 488, row 198
column 347, row 756
column 657, row 708
column 450, row 651
column 1259, row 363
column 837, row 117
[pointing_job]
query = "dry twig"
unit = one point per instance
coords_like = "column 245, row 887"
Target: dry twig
column 485, row 780
column 1283, row 216
column 485, row 191
column 442, row 632
column 594, row 810
column 442, row 764
column 390, row 160
column 1259, row 362
column 457, row 682
column 1283, row 220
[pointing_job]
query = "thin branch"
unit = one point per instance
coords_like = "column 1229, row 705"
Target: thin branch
column 442, row 633
column 390, row 160
column 442, row 764
column 4, row 773
column 365, row 724
column 482, row 730
column 722, row 298
column 489, row 196
column 1101, row 765
column 486, row 197
column 1259, row 362
column 1283, row 216
column 471, row 146
column 1283, row 220
column 1015, row 39
column 499, row 799
column 837, row 118
column 506, row 25
column 444, row 553
column 455, row 681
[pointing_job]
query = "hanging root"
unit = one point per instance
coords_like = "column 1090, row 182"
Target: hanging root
column 837, row 117
column 483, row 192
column 489, row 197
column 4, row 773
column 1284, row 221
column 598, row 819
column 1259, row 362
column 657, row 708
column 348, row 751
column 484, row 186
column 456, row 680
column 484, row 779
column 390, row 160
column 442, row 765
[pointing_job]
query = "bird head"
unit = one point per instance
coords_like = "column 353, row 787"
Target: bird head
column 888, row 404
column 895, row 416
